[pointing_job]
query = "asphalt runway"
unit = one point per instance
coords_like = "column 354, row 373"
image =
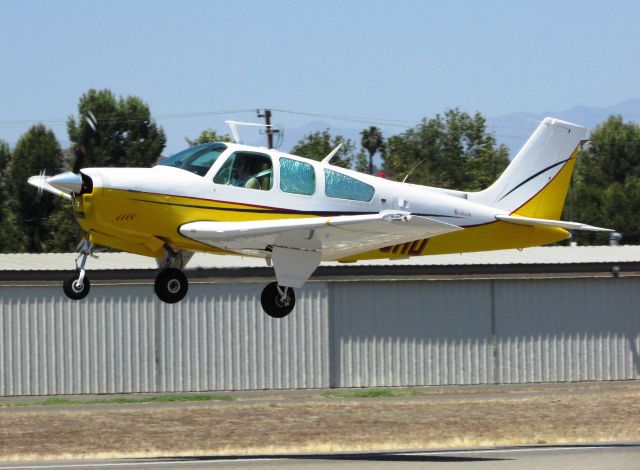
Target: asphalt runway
column 615, row 456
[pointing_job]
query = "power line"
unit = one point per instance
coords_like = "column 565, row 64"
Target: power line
column 388, row 122
column 361, row 120
column 114, row 119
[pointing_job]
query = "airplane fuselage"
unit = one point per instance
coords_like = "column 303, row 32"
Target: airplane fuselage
column 140, row 210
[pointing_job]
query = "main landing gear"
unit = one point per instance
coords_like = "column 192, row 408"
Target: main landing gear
column 277, row 301
column 77, row 286
column 171, row 285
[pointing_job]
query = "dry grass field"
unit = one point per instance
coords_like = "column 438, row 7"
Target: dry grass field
column 317, row 423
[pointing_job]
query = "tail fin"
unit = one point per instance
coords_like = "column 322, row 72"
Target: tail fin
column 536, row 181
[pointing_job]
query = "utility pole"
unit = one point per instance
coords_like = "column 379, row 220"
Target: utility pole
column 270, row 130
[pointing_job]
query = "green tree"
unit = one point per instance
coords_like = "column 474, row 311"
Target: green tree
column 372, row 141
column 318, row 145
column 5, row 156
column 607, row 182
column 362, row 162
column 37, row 150
column 125, row 134
column 11, row 237
column 64, row 230
column 209, row 135
column 454, row 151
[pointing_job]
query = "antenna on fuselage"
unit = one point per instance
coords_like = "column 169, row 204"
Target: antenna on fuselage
column 327, row 159
column 411, row 170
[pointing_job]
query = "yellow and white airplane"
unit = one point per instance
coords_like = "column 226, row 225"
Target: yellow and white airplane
column 234, row 199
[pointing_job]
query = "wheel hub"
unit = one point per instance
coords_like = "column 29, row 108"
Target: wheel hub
column 173, row 286
column 277, row 301
column 283, row 299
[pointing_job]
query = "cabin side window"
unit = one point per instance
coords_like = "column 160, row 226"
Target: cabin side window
column 297, row 177
column 341, row 186
column 246, row 170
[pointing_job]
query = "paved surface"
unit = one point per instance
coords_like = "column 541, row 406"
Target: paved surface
column 616, row 456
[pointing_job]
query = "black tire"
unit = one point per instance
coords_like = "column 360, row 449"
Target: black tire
column 171, row 285
column 272, row 303
column 71, row 289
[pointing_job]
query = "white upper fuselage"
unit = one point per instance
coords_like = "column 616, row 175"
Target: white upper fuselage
column 447, row 206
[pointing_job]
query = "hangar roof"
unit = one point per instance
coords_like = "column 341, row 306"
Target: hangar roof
column 206, row 261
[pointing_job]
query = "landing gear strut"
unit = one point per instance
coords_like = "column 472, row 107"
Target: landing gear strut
column 171, row 285
column 277, row 301
column 77, row 286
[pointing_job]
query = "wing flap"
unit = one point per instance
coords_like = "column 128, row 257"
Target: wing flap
column 335, row 237
column 515, row 219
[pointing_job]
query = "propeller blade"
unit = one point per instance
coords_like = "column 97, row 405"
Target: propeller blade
column 91, row 120
column 42, row 177
column 81, row 149
column 79, row 161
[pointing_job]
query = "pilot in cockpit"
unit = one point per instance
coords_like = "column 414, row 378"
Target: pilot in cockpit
column 245, row 175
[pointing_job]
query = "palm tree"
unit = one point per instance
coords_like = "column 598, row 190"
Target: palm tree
column 373, row 141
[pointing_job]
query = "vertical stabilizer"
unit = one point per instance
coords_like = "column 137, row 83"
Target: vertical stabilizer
column 536, row 181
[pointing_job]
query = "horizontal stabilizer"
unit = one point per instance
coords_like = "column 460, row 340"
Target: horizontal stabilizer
column 514, row 219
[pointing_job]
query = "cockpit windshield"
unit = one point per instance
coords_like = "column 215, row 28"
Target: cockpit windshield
column 196, row 159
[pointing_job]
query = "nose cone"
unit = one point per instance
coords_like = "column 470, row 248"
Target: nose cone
column 67, row 182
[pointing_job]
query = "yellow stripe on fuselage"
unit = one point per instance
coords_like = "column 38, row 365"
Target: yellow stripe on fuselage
column 493, row 236
column 131, row 220
column 140, row 223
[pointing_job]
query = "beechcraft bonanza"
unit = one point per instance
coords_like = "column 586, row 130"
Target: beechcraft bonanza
column 234, row 199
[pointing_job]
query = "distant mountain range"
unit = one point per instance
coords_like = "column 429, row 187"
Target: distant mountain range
column 514, row 129
column 511, row 130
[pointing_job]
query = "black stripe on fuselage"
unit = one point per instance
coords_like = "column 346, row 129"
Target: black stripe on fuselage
column 534, row 176
column 278, row 211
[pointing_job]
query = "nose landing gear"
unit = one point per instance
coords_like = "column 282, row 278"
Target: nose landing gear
column 277, row 301
column 77, row 286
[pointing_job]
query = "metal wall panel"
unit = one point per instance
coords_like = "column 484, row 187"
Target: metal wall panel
column 51, row 345
column 121, row 339
column 219, row 339
column 343, row 334
column 564, row 330
column 410, row 333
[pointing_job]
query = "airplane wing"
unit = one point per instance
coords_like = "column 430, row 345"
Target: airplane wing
column 298, row 245
column 516, row 219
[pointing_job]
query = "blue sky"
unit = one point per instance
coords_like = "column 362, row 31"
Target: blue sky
column 380, row 60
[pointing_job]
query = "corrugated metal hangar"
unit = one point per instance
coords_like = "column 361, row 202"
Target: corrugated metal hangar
column 541, row 315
